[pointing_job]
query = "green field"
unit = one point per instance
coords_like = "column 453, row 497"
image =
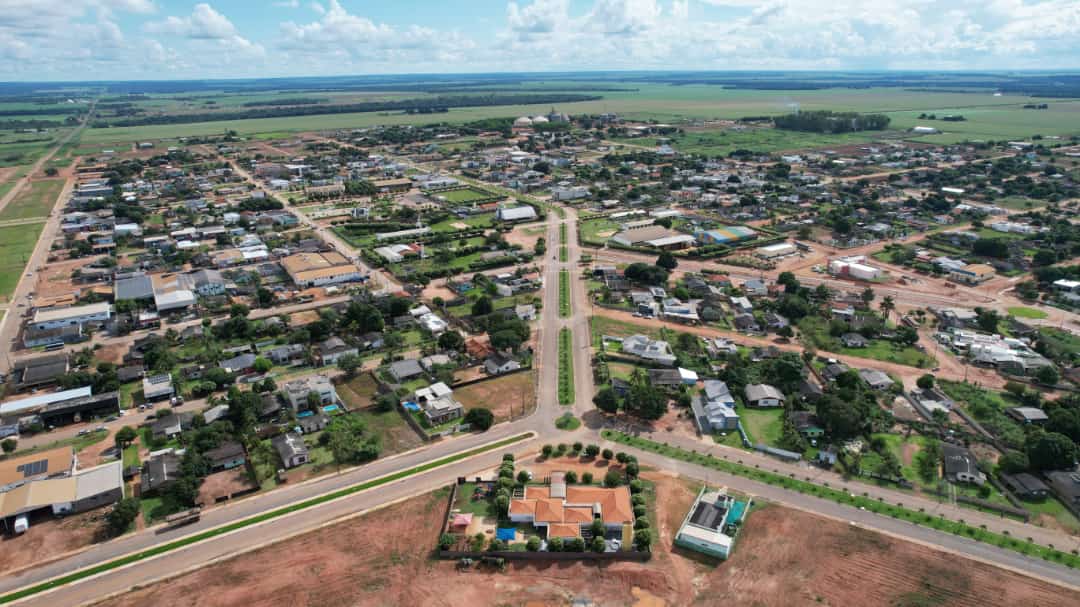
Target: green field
column 36, row 200
column 988, row 116
column 16, row 245
column 597, row 231
column 466, row 195
column 815, row 332
column 1025, row 312
column 721, row 142
column 763, row 425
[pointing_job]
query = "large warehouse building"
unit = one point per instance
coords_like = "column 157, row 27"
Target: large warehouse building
column 726, row 235
column 49, row 483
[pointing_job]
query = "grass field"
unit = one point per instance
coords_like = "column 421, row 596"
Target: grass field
column 815, row 332
column 763, row 425
column 36, row 200
column 1025, row 312
column 466, row 195
column 988, row 116
column 596, row 231
column 721, row 142
column 16, row 244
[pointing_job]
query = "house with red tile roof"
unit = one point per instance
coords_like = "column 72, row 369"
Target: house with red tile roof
column 564, row 510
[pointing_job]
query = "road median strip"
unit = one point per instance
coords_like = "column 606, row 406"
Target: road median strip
column 566, row 367
column 253, row 520
column 842, row 496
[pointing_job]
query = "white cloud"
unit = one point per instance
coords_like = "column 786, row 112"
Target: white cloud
column 204, row 23
column 288, row 4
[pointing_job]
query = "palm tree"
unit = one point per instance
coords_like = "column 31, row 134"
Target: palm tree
column 887, row 305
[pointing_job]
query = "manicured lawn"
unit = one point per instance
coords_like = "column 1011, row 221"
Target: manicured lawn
column 16, row 244
column 1025, row 312
column 33, row 201
column 131, row 455
column 467, row 194
column 597, row 231
column 763, row 425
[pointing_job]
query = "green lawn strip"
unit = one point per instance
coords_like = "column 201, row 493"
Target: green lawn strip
column 841, row 496
column 564, row 293
column 562, row 233
column 564, row 254
column 566, row 367
column 1025, row 312
column 217, row 531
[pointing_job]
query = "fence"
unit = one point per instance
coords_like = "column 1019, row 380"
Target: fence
column 512, row 555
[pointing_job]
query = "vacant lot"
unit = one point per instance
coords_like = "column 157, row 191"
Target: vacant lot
column 33, row 201
column 49, row 538
column 16, row 244
column 508, row 396
column 783, row 557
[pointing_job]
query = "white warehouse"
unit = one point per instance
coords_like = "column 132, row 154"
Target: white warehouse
column 773, row 251
column 853, row 267
column 55, row 318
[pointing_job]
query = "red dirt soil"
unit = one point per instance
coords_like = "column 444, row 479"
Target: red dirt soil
column 783, row 558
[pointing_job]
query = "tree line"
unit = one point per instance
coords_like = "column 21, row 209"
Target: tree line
column 825, row 121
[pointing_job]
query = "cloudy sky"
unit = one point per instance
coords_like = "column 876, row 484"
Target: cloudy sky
column 172, row 39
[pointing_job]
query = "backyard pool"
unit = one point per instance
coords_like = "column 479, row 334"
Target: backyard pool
column 411, row 406
column 331, row 408
column 303, row 414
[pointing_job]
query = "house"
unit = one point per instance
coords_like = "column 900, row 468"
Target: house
column 297, row 391
column 755, row 287
column 499, row 363
column 878, row 380
column 430, row 363
column 960, row 465
column 775, row 321
column 166, row 427
column 1027, row 415
column 157, row 387
column 568, row 511
column 215, row 413
column 291, row 449
column 746, row 323
column 834, row 370
column 672, row 377
column 313, row 423
column 973, row 274
column 525, row 312
column 333, row 349
column 1066, row 485
column 1026, row 486
column 809, row 391
column 714, row 408
column 657, row 351
column 159, row 472
column 285, row 355
column 239, row 364
column 225, row 457
column 404, row 370
column 806, row 424
column 741, row 304
column 763, row 395
column 712, row 523
column 438, row 404
column 853, row 340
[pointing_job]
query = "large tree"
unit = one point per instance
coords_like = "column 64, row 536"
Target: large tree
column 1051, row 451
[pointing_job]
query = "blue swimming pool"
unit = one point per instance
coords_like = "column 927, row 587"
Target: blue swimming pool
column 411, row 406
column 305, row 414
column 331, row 408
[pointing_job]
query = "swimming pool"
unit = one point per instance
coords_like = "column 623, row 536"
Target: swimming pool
column 331, row 408
column 303, row 414
column 411, row 406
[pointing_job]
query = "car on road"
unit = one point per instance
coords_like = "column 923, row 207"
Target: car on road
column 111, row 418
column 84, row 432
column 101, row 429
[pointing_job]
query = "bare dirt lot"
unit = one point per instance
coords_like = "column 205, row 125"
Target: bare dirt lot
column 49, row 538
column 783, row 558
column 225, row 484
column 514, row 393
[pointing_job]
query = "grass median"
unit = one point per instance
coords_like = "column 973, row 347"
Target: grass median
column 841, row 496
column 217, row 531
column 564, row 254
column 562, row 233
column 564, row 293
column 566, row 367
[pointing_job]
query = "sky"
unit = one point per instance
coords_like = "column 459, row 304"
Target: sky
column 171, row 39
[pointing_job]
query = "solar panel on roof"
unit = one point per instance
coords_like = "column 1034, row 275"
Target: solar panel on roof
column 30, row 469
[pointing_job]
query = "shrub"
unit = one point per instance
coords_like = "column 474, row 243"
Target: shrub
column 571, row 476
column 522, row 477
column 613, row 479
column 639, row 510
column 578, row 447
column 575, row 544
column 606, row 454
column 641, row 523
column 533, row 544
column 592, row 450
column 446, row 541
column 598, row 544
column 555, row 544
column 632, row 469
column 496, row 545
column 546, row 450
column 636, row 486
column 587, row 478
column 642, row 539
column 637, row 500
column 621, row 457
column 480, row 419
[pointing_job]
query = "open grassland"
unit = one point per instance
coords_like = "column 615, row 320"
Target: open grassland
column 33, row 201
column 16, row 244
column 650, row 101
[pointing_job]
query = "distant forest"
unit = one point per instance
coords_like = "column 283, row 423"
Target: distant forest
column 831, row 122
column 425, row 105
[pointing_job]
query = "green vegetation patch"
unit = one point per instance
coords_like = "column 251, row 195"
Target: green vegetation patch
column 1025, row 312
column 566, row 367
column 34, row 201
column 564, row 293
column 16, row 244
